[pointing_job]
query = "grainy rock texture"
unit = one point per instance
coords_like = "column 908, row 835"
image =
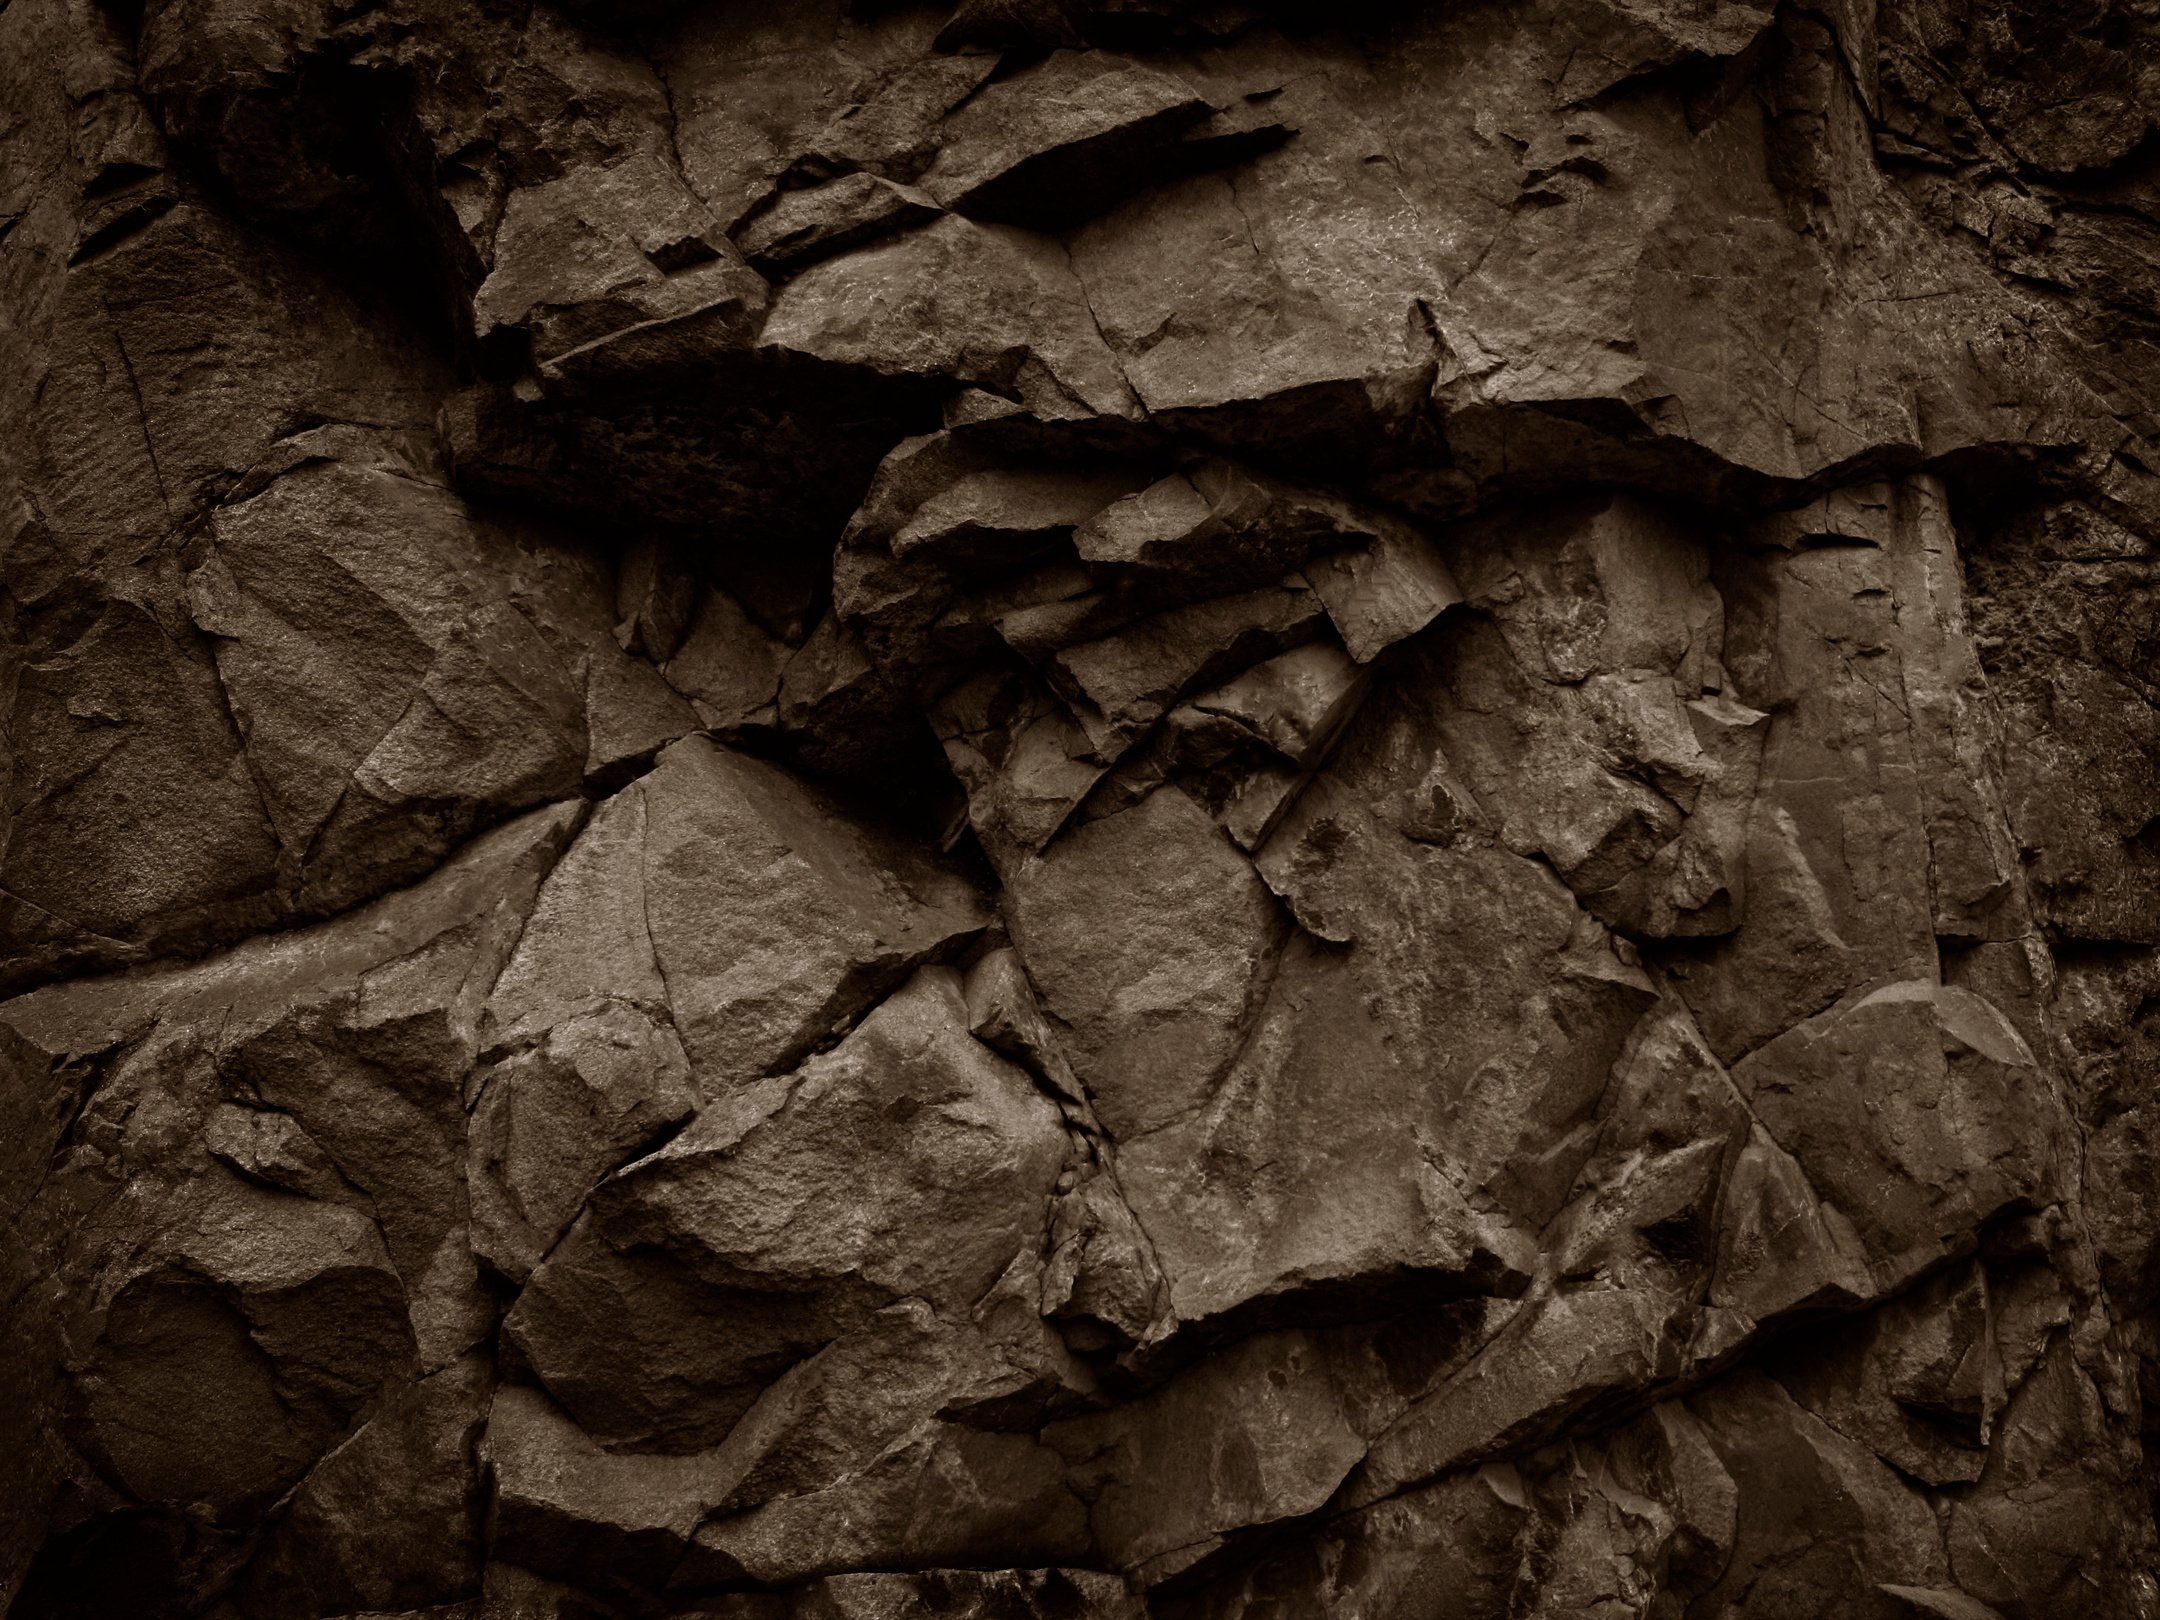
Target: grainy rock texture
column 1079, row 809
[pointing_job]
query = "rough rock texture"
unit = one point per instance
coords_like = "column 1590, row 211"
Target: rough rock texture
column 1079, row 809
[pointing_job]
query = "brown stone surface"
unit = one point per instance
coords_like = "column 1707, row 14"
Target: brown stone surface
column 1079, row 810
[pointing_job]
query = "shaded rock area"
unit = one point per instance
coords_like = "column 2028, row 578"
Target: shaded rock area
column 1079, row 810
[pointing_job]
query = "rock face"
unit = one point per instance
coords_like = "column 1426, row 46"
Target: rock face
column 1079, row 810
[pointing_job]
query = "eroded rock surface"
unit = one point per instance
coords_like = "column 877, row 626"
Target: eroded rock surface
column 1079, row 810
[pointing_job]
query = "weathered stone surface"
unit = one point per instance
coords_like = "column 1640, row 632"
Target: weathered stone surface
column 1056, row 142
column 550, row 1122
column 1260, row 1432
column 948, row 1495
column 371, row 692
column 761, row 92
column 736, row 902
column 798, row 227
column 1030, row 1594
column 1917, row 1109
column 1062, row 808
column 277, row 1244
column 728, row 667
column 1836, row 1527
column 1556, row 1357
column 1155, row 1008
column 1919, row 1382
column 389, row 1521
column 1025, row 761
column 1122, row 683
column 708, row 1255
column 992, row 305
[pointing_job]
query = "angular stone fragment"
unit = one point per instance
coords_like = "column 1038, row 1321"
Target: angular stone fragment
column 1056, row 142
column 837, row 1412
column 1642, row 1221
column 2036, row 1527
column 1123, row 682
column 1311, row 1170
column 1261, row 1431
column 1262, row 800
column 424, row 685
column 390, row 1520
column 1330, row 1161
column 1918, row 1381
column 986, row 304
column 1229, row 524
column 1154, row 1005
column 1003, row 1012
column 617, row 268
column 796, row 228
column 1538, row 756
column 723, row 894
column 1024, row 760
column 1392, row 588
column 1103, row 1284
column 998, row 514
column 270, row 1147
column 1919, row 1111
column 952, row 1495
column 1588, row 713
column 656, row 597
column 1780, row 1248
column 550, row 1122
column 1155, row 525
column 1555, row 1357
column 1020, row 1594
column 1298, row 702
column 356, row 1035
column 712, row 1184
column 727, row 666
column 814, row 90
column 912, row 472
column 565, row 1507
column 286, row 1314
column 1697, row 884
column 1666, row 1456
column 1316, row 306
column 122, row 717
column 762, row 1230
column 1821, row 1523
column 631, row 713
column 1603, row 584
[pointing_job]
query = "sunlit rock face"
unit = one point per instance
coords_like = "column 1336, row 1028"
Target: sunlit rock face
column 1079, row 810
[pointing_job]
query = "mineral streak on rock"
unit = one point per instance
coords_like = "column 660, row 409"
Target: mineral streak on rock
column 1079, row 809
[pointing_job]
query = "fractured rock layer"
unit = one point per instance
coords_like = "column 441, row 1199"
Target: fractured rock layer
column 1079, row 809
